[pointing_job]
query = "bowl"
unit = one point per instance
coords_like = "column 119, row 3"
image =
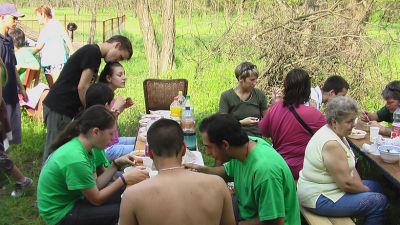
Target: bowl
column 389, row 153
column 357, row 134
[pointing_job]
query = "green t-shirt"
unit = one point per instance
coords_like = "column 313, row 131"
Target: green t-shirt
column 100, row 158
column 264, row 185
column 385, row 115
column 230, row 103
column 66, row 172
column 25, row 60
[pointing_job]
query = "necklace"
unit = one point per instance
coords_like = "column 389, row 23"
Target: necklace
column 171, row 168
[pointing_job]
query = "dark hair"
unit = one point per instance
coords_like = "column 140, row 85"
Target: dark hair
column 165, row 138
column 18, row 37
column 125, row 43
column 392, row 90
column 95, row 116
column 335, row 83
column 297, row 87
column 221, row 127
column 245, row 70
column 98, row 94
column 108, row 70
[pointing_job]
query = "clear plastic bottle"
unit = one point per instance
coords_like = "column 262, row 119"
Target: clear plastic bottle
column 396, row 124
column 189, row 129
column 175, row 108
column 181, row 99
column 188, row 103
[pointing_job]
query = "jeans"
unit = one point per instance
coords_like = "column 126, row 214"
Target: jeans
column 124, row 146
column 14, row 115
column 371, row 205
column 84, row 213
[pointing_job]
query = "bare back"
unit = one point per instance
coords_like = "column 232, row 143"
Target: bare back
column 178, row 197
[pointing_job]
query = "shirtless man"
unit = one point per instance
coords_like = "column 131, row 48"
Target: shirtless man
column 175, row 195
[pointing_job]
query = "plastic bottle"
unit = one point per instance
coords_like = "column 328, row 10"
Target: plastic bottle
column 189, row 128
column 188, row 103
column 175, row 108
column 396, row 124
column 181, row 99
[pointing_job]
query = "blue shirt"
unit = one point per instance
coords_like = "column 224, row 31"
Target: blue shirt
column 10, row 90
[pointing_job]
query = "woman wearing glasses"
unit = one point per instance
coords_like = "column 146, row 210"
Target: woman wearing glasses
column 245, row 102
column 391, row 94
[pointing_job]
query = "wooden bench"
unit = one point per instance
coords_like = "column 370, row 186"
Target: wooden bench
column 314, row 219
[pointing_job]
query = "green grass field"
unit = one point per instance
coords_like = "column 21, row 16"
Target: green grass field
column 208, row 77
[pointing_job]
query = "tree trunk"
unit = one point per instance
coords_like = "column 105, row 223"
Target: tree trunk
column 92, row 33
column 168, row 42
column 190, row 11
column 149, row 36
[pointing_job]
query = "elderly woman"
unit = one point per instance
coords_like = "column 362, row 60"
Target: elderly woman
column 245, row 102
column 290, row 123
column 391, row 94
column 329, row 184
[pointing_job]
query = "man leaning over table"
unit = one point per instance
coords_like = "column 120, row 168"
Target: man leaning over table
column 391, row 94
column 263, row 182
column 175, row 195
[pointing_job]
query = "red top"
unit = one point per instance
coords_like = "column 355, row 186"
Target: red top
column 289, row 137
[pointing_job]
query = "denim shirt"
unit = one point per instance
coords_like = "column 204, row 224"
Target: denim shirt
column 10, row 90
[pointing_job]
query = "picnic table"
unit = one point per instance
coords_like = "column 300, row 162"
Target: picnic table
column 390, row 170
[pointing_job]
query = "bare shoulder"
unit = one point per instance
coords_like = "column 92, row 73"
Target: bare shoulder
column 209, row 179
column 136, row 190
column 332, row 145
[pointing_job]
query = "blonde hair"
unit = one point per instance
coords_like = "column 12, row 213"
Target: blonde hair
column 45, row 10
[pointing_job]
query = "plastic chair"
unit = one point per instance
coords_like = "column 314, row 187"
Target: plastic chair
column 159, row 94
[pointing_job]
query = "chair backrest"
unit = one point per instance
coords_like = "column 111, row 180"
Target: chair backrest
column 30, row 76
column 159, row 94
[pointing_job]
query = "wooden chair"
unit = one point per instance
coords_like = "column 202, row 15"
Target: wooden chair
column 159, row 94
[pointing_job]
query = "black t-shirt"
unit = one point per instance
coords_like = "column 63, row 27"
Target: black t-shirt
column 7, row 54
column 63, row 97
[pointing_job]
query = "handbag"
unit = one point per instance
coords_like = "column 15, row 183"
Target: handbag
column 301, row 121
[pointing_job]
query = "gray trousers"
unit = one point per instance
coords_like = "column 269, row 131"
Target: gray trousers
column 55, row 123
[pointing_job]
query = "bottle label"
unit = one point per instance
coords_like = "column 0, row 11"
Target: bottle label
column 395, row 130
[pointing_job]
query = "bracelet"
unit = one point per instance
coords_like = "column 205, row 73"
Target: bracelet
column 116, row 165
column 123, row 180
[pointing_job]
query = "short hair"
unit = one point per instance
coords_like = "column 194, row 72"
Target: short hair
column 98, row 94
column 45, row 10
column 339, row 108
column 392, row 90
column 221, row 127
column 108, row 70
column 125, row 43
column 165, row 138
column 297, row 87
column 245, row 70
column 18, row 37
column 335, row 83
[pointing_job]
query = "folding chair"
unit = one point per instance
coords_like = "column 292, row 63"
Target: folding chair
column 159, row 94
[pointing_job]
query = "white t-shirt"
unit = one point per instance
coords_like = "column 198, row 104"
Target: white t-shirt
column 54, row 51
column 316, row 97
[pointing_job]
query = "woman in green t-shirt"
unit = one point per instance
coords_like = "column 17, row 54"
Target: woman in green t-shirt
column 69, row 192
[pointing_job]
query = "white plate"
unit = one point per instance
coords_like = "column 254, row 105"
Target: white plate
column 357, row 134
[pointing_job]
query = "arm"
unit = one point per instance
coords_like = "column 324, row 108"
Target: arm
column 223, row 104
column 382, row 129
column 21, row 87
column 84, row 83
column 335, row 160
column 67, row 40
column 263, row 126
column 219, row 171
column 127, row 213
column 367, row 116
column 106, row 176
column 97, row 197
column 227, row 217
column 37, row 48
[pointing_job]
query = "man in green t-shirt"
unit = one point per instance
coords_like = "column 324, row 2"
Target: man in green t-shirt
column 263, row 182
column 391, row 94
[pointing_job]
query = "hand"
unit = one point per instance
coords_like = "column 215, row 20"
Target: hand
column 128, row 103
column 128, row 159
column 277, row 95
column 136, row 175
column 364, row 116
column 24, row 95
column 194, row 167
column 119, row 103
column 249, row 121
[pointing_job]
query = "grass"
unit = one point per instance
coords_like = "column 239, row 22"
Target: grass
column 208, row 75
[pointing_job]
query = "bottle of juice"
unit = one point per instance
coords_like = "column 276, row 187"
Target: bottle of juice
column 396, row 124
column 189, row 129
column 175, row 108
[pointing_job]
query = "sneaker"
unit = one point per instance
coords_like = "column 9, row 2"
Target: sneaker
column 19, row 188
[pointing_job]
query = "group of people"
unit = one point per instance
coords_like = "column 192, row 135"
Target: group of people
column 80, row 183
